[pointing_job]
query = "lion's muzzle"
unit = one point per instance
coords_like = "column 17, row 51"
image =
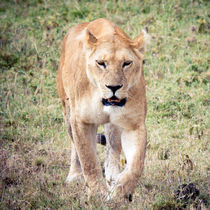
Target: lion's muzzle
column 114, row 88
column 113, row 101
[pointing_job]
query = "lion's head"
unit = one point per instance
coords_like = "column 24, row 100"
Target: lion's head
column 114, row 62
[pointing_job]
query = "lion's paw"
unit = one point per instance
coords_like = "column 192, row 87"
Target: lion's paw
column 72, row 177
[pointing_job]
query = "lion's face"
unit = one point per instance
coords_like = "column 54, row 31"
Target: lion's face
column 113, row 68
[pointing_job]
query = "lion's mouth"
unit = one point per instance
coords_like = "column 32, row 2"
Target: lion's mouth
column 113, row 101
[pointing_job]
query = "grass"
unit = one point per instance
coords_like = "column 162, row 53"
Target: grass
column 34, row 147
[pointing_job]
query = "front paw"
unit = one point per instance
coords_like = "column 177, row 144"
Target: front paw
column 72, row 177
column 119, row 195
column 124, row 187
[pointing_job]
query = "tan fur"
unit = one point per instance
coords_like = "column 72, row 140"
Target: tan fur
column 82, row 84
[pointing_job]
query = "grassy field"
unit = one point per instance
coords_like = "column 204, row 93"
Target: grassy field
column 34, row 147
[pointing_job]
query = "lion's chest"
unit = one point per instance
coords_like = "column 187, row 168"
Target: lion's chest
column 91, row 111
column 122, row 117
column 94, row 112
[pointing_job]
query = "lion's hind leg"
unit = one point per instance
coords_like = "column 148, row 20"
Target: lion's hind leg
column 75, row 171
column 113, row 151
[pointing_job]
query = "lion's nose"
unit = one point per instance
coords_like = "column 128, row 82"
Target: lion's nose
column 114, row 88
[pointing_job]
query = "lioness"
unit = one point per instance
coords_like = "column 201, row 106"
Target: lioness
column 101, row 81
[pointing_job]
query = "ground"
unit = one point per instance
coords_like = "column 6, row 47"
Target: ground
column 34, row 146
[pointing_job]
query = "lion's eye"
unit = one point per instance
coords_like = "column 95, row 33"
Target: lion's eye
column 127, row 63
column 101, row 63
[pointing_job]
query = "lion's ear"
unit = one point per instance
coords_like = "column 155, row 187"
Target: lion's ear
column 91, row 40
column 141, row 41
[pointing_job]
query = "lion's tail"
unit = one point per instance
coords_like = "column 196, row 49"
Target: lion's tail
column 101, row 139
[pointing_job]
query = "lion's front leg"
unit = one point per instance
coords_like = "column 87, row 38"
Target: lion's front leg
column 84, row 136
column 134, row 147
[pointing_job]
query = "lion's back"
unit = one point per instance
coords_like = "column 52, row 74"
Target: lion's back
column 70, row 45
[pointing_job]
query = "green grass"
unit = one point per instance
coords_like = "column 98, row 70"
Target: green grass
column 34, row 147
